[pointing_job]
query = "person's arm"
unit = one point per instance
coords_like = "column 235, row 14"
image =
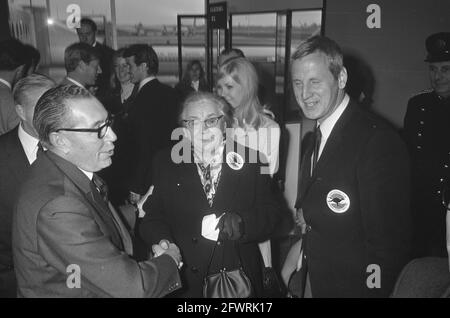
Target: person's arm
column 383, row 177
column 68, row 234
column 261, row 220
column 448, row 234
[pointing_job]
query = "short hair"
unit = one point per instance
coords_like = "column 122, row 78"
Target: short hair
column 77, row 52
column 219, row 101
column 52, row 111
column 89, row 22
column 144, row 53
column 33, row 57
column 323, row 45
column 12, row 54
column 25, row 88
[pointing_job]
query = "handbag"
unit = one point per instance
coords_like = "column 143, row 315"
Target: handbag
column 227, row 283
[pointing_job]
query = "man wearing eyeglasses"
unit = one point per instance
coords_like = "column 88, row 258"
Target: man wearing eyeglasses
column 68, row 241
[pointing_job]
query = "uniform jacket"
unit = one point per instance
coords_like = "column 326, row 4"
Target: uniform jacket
column 357, row 208
column 178, row 204
column 427, row 133
column 61, row 221
column 14, row 168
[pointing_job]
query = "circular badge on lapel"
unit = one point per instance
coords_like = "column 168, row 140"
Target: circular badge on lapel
column 338, row 201
column 235, row 160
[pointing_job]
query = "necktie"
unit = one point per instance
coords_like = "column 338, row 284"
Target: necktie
column 317, row 141
column 40, row 150
column 101, row 187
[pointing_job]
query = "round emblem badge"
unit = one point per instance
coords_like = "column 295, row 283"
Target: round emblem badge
column 234, row 160
column 338, row 201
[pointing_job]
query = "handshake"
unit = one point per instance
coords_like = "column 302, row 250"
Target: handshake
column 165, row 247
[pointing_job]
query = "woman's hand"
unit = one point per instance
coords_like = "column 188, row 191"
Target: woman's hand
column 231, row 227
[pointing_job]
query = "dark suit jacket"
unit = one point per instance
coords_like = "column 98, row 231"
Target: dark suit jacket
column 178, row 204
column 61, row 220
column 151, row 119
column 14, row 167
column 103, row 79
column 365, row 159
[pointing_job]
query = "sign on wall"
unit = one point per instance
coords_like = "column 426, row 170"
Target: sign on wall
column 217, row 15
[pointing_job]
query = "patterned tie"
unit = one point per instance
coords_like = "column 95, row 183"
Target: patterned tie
column 101, row 187
column 317, row 141
column 40, row 150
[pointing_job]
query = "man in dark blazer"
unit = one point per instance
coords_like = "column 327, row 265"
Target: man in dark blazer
column 87, row 33
column 18, row 150
column 82, row 65
column 354, row 184
column 151, row 117
column 68, row 241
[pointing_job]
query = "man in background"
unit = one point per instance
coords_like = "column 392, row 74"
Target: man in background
column 82, row 65
column 152, row 116
column 87, row 33
column 427, row 133
column 12, row 63
column 18, row 150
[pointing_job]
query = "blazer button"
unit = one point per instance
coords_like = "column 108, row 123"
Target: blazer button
column 194, row 240
column 194, row 269
column 421, row 122
column 419, row 147
column 422, row 109
column 419, row 134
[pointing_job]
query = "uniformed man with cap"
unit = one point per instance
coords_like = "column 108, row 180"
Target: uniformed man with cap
column 427, row 132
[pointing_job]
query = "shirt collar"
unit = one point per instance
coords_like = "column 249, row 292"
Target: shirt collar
column 29, row 144
column 75, row 82
column 8, row 84
column 88, row 174
column 145, row 81
column 195, row 85
column 328, row 124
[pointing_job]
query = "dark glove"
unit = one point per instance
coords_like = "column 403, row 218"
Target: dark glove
column 231, row 227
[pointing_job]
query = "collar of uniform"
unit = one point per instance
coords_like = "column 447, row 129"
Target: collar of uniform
column 74, row 81
column 7, row 84
column 145, row 81
column 29, row 144
column 328, row 124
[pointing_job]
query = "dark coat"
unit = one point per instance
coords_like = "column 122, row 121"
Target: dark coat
column 367, row 160
column 427, row 133
column 14, row 168
column 62, row 220
column 178, row 204
column 151, row 119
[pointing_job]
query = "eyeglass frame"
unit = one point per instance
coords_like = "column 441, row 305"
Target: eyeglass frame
column 108, row 123
column 189, row 123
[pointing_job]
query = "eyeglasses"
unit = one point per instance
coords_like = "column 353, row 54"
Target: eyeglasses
column 101, row 131
column 209, row 123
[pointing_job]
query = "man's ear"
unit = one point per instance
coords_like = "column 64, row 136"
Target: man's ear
column 20, row 111
column 342, row 78
column 82, row 66
column 144, row 67
column 60, row 142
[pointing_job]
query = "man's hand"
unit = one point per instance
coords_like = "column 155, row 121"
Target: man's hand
column 231, row 227
column 134, row 197
column 165, row 247
column 142, row 200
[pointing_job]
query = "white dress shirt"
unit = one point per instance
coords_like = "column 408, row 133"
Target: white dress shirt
column 75, row 82
column 29, row 144
column 7, row 84
column 328, row 124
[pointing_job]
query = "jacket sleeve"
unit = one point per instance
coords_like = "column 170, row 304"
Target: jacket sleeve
column 68, row 234
column 154, row 227
column 384, row 186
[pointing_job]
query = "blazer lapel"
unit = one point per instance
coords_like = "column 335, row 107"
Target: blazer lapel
column 100, row 211
column 19, row 162
column 335, row 139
